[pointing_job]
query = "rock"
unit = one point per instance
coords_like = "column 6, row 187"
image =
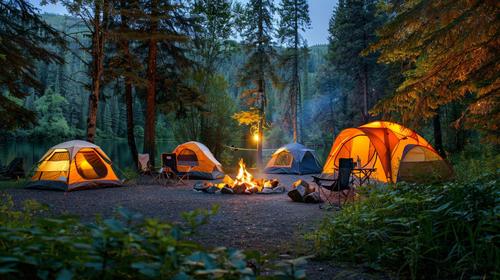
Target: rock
column 253, row 189
column 295, row 195
column 267, row 190
column 200, row 186
column 312, row 198
column 212, row 189
column 226, row 190
column 279, row 189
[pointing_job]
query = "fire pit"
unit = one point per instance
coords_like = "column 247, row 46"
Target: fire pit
column 244, row 183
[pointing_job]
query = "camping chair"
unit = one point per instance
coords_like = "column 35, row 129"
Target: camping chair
column 14, row 170
column 169, row 163
column 343, row 182
column 146, row 168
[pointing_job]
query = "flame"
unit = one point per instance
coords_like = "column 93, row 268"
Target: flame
column 245, row 177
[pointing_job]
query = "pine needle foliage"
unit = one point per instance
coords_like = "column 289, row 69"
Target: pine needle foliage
column 451, row 48
column 22, row 37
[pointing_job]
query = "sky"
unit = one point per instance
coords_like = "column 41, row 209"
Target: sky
column 320, row 12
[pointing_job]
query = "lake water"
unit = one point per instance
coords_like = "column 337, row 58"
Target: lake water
column 117, row 150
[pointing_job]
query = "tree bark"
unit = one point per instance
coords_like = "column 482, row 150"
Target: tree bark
column 261, row 92
column 150, row 120
column 295, row 81
column 97, row 54
column 128, row 88
column 438, row 136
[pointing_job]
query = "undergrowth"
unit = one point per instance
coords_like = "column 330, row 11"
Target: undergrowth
column 128, row 246
column 441, row 231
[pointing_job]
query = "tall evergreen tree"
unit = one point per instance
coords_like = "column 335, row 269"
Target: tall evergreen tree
column 451, row 47
column 167, row 28
column 352, row 30
column 23, row 36
column 212, row 43
column 95, row 14
column 257, row 33
column 294, row 18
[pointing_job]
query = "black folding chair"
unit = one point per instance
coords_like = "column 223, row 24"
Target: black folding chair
column 343, row 182
column 169, row 165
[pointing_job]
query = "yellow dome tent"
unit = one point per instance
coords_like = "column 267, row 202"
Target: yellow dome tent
column 74, row 165
column 398, row 153
column 197, row 160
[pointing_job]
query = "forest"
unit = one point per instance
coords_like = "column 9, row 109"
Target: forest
column 310, row 93
column 240, row 77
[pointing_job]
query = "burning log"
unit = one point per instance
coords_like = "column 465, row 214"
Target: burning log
column 244, row 183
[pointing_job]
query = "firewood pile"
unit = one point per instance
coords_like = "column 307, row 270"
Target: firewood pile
column 303, row 192
column 244, row 183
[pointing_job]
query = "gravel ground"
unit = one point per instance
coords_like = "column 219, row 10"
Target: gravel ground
column 270, row 223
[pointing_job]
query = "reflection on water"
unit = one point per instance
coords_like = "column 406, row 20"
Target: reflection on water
column 32, row 151
column 118, row 151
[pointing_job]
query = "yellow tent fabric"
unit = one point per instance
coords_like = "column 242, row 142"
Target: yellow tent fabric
column 74, row 165
column 197, row 160
column 397, row 153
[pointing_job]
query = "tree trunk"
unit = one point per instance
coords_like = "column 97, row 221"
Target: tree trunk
column 150, row 122
column 295, row 81
column 97, row 53
column 438, row 137
column 261, row 91
column 128, row 89
column 365, row 94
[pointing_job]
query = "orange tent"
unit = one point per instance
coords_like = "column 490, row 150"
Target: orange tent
column 397, row 153
column 74, row 165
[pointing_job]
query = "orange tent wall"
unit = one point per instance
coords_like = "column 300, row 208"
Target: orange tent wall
column 377, row 144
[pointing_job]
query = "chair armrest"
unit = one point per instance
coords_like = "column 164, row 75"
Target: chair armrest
column 317, row 179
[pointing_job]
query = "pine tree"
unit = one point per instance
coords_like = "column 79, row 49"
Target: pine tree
column 294, row 19
column 352, row 30
column 95, row 14
column 451, row 48
column 22, row 37
column 257, row 33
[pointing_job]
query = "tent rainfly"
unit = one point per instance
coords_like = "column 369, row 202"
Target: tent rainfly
column 293, row 158
column 74, row 165
column 398, row 153
column 197, row 160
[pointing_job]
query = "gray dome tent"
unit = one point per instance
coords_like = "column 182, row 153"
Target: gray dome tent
column 293, row 158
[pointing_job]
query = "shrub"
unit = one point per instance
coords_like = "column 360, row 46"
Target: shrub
column 445, row 231
column 126, row 247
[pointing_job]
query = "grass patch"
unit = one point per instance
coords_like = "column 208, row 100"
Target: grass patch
column 13, row 184
column 441, row 231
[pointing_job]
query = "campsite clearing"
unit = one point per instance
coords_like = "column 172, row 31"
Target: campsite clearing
column 271, row 224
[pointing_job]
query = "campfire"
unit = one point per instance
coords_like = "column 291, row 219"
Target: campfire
column 244, row 183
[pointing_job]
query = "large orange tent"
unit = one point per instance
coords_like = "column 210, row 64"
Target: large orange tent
column 74, row 165
column 396, row 152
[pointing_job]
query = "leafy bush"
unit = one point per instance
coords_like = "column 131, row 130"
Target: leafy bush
column 446, row 231
column 126, row 247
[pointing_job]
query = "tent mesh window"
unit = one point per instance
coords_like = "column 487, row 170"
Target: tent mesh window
column 58, row 156
column 90, row 166
column 187, row 157
column 283, row 159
